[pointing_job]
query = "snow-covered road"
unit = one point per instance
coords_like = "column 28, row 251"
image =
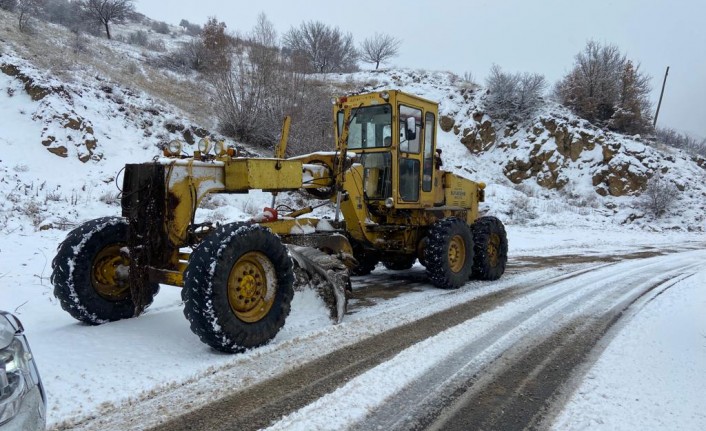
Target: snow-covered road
column 136, row 373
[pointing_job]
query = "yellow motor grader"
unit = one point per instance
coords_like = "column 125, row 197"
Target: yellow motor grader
column 394, row 204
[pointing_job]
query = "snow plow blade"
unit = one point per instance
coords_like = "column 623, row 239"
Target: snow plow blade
column 327, row 274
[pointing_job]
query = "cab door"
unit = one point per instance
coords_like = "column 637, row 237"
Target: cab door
column 409, row 160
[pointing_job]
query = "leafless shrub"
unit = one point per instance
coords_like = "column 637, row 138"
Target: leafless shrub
column 160, row 27
column 156, row 45
column 379, row 48
column 191, row 29
column 53, row 196
column 79, row 43
column 132, row 68
column 522, row 209
column 138, row 38
column 110, row 198
column 513, row 96
column 33, row 210
column 659, row 196
column 682, row 141
column 317, row 47
column 191, row 56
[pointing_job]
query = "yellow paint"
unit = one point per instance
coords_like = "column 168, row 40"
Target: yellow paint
column 242, row 175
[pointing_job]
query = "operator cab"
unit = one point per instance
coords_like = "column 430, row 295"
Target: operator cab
column 393, row 134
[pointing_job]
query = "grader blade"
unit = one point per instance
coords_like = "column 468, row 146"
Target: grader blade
column 324, row 273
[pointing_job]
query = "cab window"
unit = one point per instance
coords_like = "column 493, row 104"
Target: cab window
column 369, row 127
column 409, row 180
column 377, row 181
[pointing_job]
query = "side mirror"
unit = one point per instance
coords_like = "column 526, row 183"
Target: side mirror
column 410, row 133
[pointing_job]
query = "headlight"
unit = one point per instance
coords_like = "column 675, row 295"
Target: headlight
column 204, row 146
column 22, row 398
column 174, row 147
column 220, row 148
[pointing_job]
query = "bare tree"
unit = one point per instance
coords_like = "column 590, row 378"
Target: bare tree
column 322, row 48
column 107, row 11
column 379, row 48
column 604, row 84
column 26, row 9
column 513, row 96
column 260, row 87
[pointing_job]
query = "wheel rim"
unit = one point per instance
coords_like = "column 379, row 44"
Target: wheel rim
column 493, row 250
column 110, row 274
column 457, row 253
column 251, row 287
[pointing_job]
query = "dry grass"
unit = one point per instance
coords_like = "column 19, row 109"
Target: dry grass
column 51, row 47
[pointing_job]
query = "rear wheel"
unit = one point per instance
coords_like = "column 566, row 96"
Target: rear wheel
column 91, row 275
column 490, row 248
column 449, row 253
column 238, row 287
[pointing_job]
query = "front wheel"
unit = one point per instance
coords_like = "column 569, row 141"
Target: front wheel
column 449, row 253
column 238, row 287
column 90, row 274
column 367, row 260
column 490, row 248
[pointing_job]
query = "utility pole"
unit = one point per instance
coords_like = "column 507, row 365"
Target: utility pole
column 654, row 123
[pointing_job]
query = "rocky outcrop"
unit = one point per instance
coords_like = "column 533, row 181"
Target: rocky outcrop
column 619, row 180
column 481, row 136
column 63, row 131
column 556, row 145
column 34, row 90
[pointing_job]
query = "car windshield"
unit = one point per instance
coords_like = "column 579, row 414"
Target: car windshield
column 371, row 127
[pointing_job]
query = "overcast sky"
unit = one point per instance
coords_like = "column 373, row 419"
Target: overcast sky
column 541, row 36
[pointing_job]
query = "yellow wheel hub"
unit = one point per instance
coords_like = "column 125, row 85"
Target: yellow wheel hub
column 251, row 287
column 457, row 253
column 493, row 249
column 110, row 274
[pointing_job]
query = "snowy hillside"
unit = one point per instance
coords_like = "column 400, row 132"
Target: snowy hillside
column 552, row 169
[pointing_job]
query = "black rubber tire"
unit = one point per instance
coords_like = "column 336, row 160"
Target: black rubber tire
column 205, row 292
column 72, row 272
column 440, row 267
column 367, row 260
column 400, row 264
column 489, row 248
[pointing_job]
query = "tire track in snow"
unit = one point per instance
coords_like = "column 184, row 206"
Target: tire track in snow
column 263, row 403
column 501, row 392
